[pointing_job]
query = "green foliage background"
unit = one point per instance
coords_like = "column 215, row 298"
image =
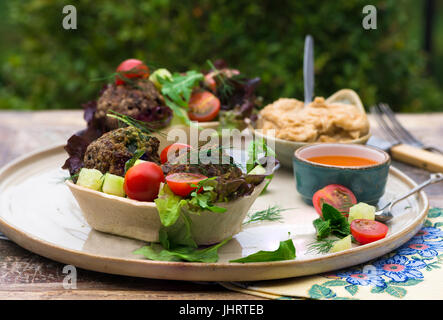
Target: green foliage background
column 46, row 67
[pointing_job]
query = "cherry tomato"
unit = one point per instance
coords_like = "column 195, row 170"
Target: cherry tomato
column 142, row 181
column 366, row 231
column 129, row 69
column 203, row 106
column 172, row 150
column 210, row 77
column 210, row 82
column 337, row 196
column 180, row 183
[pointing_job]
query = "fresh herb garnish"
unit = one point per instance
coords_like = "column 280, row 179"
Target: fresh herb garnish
column 137, row 155
column 224, row 88
column 270, row 214
column 332, row 223
column 177, row 91
column 204, row 199
column 285, row 251
column 140, row 125
column 321, row 246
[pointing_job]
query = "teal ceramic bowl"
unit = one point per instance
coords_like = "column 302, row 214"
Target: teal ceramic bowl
column 366, row 182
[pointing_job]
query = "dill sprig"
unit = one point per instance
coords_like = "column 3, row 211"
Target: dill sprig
column 226, row 89
column 321, row 246
column 272, row 213
column 140, row 125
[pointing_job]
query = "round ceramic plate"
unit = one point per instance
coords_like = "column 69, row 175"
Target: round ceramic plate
column 38, row 212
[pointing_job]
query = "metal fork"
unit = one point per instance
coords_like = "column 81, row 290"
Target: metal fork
column 387, row 120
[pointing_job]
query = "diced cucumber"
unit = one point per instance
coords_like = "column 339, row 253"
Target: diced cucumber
column 342, row 244
column 113, row 184
column 361, row 211
column 90, row 178
column 258, row 170
column 138, row 161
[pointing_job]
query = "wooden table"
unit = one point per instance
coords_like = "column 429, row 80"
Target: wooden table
column 25, row 275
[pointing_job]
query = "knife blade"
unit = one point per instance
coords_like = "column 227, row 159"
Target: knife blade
column 308, row 69
column 409, row 154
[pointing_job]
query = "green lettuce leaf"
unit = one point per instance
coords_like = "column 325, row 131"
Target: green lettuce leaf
column 168, row 206
column 182, row 253
column 286, row 251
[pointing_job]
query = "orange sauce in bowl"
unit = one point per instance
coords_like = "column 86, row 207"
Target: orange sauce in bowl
column 343, row 161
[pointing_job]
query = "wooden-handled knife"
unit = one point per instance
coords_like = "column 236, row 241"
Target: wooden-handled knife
column 409, row 154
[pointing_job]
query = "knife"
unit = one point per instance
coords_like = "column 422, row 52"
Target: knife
column 409, row 154
column 308, row 69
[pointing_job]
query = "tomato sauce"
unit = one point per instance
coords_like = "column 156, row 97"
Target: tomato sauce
column 344, row 161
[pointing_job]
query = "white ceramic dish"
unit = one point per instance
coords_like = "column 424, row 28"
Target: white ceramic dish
column 140, row 220
column 285, row 148
column 39, row 213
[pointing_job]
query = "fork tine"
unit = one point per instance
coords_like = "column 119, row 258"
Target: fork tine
column 398, row 127
column 375, row 110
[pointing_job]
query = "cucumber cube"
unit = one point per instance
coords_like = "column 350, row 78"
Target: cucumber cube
column 342, row 244
column 90, row 178
column 138, row 161
column 258, row 170
column 113, row 184
column 361, row 211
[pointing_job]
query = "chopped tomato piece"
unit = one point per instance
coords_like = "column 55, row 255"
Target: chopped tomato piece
column 171, row 151
column 184, row 183
column 203, row 106
column 337, row 196
column 367, row 231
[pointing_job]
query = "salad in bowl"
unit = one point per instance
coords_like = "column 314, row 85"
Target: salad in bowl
column 183, row 196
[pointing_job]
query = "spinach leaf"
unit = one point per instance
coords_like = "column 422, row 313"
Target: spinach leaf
column 286, row 251
column 157, row 252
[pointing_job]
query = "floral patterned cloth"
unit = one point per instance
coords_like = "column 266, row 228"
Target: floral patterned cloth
column 413, row 271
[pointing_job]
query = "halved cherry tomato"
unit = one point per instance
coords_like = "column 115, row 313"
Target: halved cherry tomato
column 180, row 183
column 142, row 181
column 337, row 196
column 203, row 106
column 366, row 231
column 129, row 69
column 172, row 151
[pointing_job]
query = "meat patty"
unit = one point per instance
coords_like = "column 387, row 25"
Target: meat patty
column 110, row 152
column 140, row 100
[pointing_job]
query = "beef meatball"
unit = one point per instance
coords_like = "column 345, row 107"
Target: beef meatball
column 139, row 100
column 110, row 152
column 219, row 163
